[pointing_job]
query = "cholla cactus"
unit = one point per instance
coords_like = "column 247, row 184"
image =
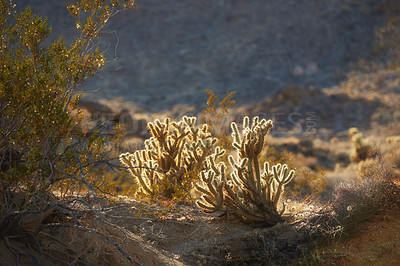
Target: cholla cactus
column 250, row 193
column 361, row 148
column 174, row 154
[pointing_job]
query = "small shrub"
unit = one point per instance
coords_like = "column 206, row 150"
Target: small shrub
column 308, row 184
column 361, row 148
column 357, row 201
column 382, row 167
column 393, row 156
column 215, row 117
column 42, row 145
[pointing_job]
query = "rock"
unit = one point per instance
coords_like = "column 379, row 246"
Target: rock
column 125, row 119
column 105, row 119
column 312, row 68
column 94, row 107
column 298, row 71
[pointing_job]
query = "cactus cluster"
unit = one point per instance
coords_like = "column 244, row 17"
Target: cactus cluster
column 250, row 192
column 173, row 157
column 178, row 153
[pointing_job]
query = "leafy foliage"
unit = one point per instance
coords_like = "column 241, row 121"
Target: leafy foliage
column 41, row 144
column 216, row 109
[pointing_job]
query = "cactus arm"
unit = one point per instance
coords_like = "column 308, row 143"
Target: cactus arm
column 143, row 183
column 246, row 122
column 282, row 176
column 201, row 189
column 257, row 173
column 206, row 207
column 172, row 152
column 214, row 195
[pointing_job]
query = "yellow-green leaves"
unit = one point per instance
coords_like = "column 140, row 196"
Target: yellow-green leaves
column 92, row 15
column 38, row 82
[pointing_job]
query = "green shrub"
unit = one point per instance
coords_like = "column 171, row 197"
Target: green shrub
column 42, row 147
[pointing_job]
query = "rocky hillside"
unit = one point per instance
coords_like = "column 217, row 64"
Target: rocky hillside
column 167, row 53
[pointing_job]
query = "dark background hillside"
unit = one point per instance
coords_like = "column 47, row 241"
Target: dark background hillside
column 168, row 52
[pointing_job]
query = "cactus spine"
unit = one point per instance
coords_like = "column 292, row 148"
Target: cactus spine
column 172, row 158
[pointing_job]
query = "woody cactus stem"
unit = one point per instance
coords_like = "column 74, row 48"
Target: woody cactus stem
column 172, row 157
column 213, row 198
column 250, row 193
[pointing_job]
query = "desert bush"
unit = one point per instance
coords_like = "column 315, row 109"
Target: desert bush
column 383, row 167
column 393, row 156
column 41, row 142
column 378, row 169
column 356, row 201
column 43, row 151
column 172, row 159
column 250, row 192
column 392, row 139
column 215, row 116
column 307, row 184
column 361, row 148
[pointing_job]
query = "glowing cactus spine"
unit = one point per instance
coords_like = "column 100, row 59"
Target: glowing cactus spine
column 172, row 157
column 249, row 192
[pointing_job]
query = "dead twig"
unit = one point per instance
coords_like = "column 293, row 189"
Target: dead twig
column 39, row 247
column 21, row 251
column 83, row 176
